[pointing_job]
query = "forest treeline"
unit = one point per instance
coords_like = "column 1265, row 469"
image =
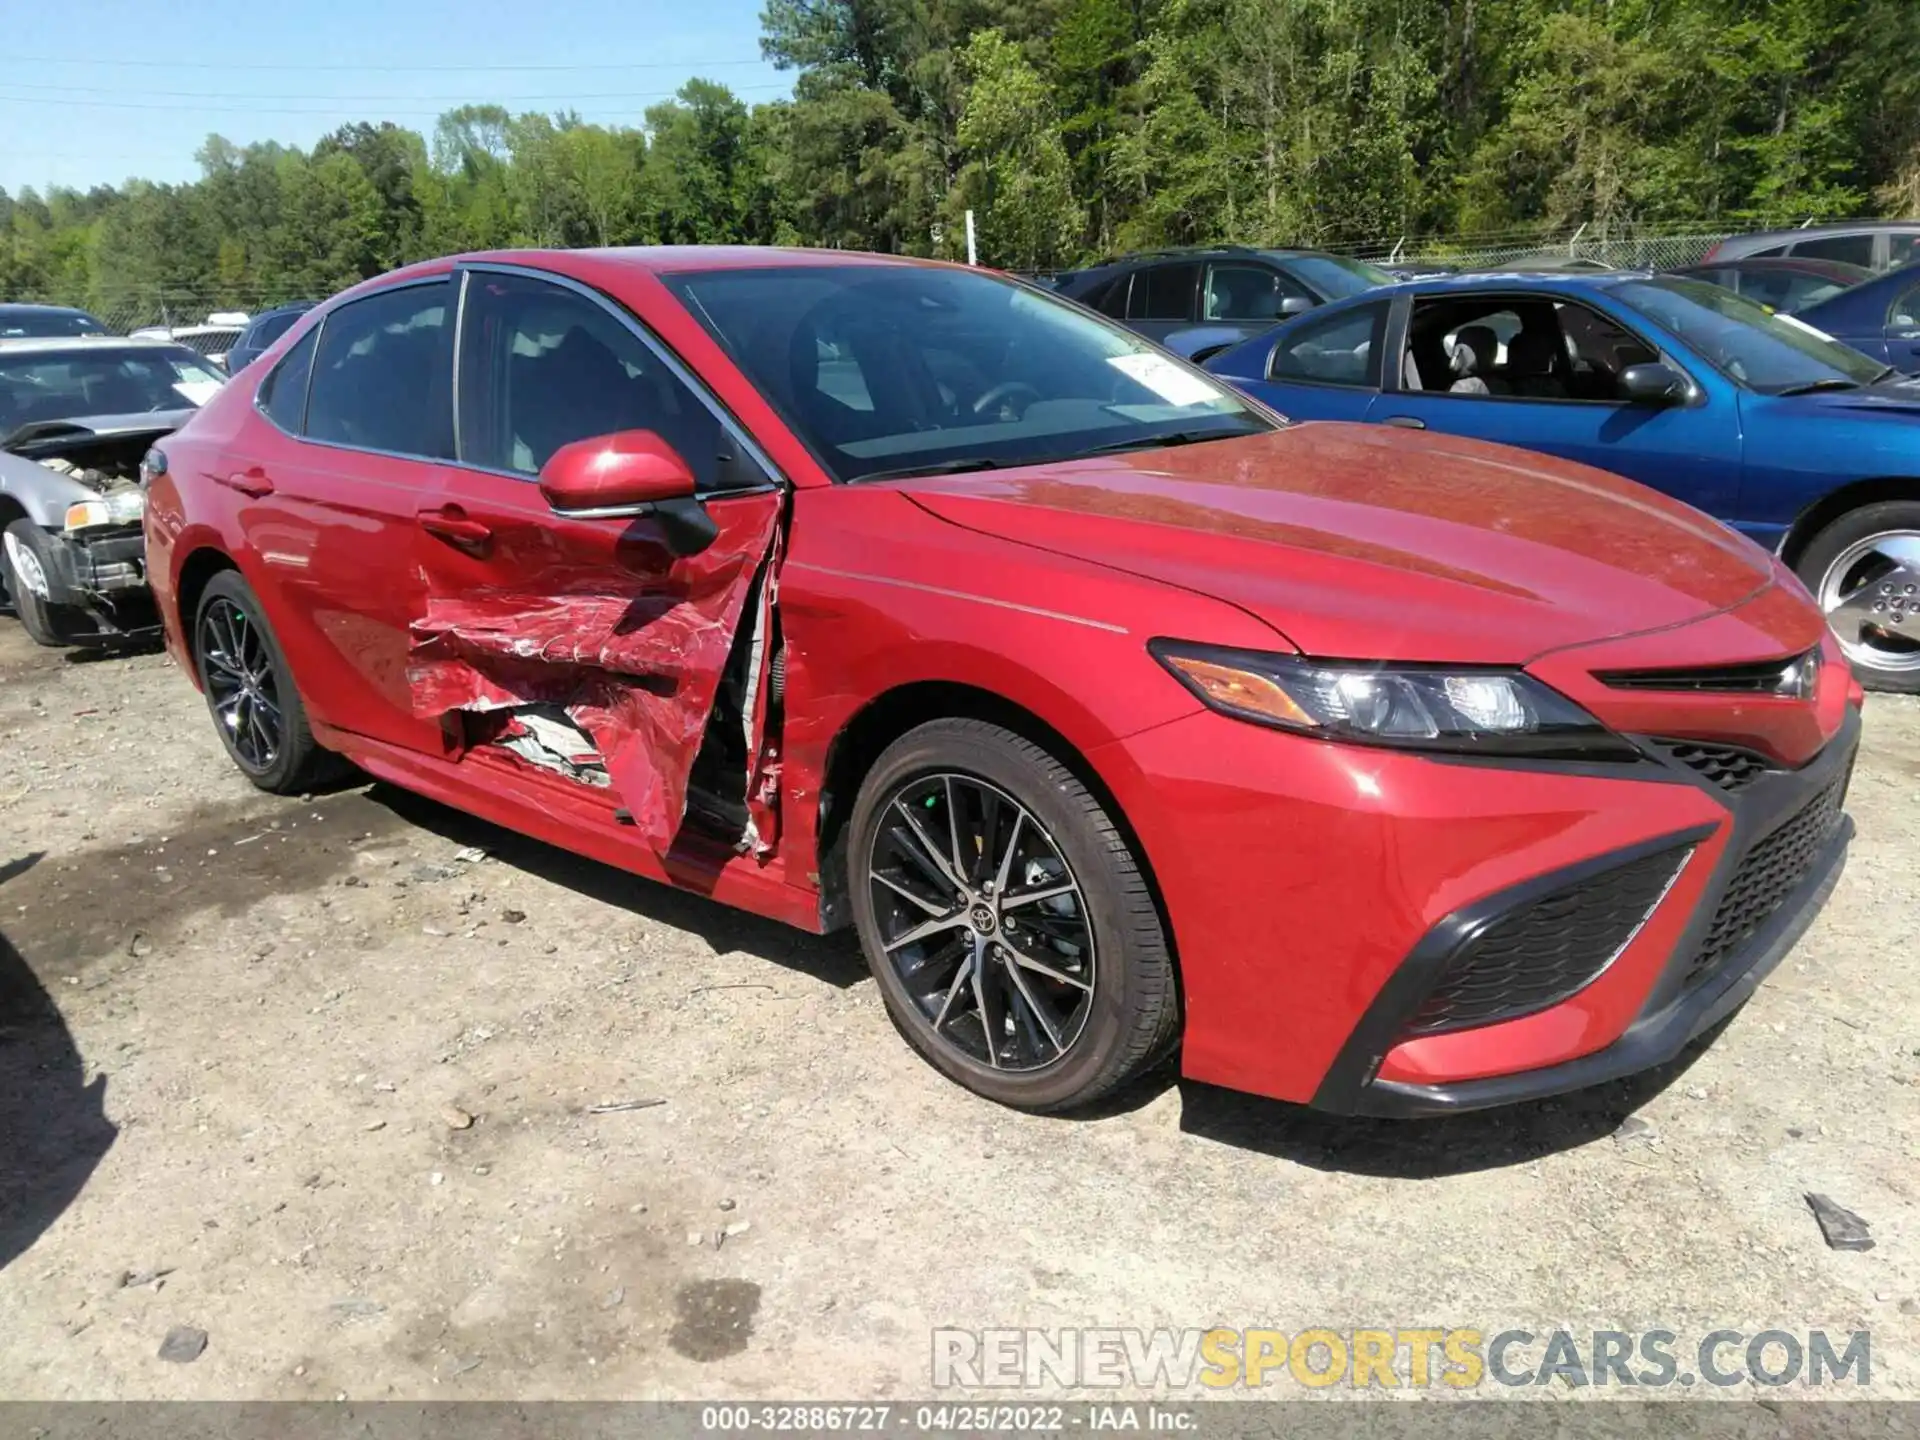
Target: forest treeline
column 1073, row 128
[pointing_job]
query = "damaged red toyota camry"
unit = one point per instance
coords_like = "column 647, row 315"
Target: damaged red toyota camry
column 1394, row 773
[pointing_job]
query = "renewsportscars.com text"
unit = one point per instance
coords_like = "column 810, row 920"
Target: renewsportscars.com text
column 1416, row 1358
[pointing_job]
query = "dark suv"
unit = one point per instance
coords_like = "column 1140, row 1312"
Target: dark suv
column 1196, row 302
column 265, row 328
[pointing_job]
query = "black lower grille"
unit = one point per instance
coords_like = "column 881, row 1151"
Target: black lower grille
column 1767, row 875
column 1727, row 766
column 1537, row 955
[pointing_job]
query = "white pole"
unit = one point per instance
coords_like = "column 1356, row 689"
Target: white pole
column 973, row 255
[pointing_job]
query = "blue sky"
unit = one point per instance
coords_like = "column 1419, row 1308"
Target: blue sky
column 257, row 70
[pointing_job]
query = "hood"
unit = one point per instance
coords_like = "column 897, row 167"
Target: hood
column 42, row 437
column 1357, row 541
column 1895, row 399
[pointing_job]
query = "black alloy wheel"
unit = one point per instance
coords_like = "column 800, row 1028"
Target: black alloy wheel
column 1014, row 936
column 250, row 692
column 241, row 685
column 983, row 921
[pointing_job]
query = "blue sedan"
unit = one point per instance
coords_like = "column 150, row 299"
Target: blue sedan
column 1878, row 317
column 1806, row 446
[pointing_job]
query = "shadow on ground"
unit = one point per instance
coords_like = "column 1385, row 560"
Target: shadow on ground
column 833, row 959
column 53, row 1125
column 1426, row 1149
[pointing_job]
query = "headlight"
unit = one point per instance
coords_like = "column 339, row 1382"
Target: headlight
column 1486, row 712
column 117, row 507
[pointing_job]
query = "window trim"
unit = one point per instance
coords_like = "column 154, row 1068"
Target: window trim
column 1377, row 387
column 439, row 277
column 638, row 328
column 1663, row 353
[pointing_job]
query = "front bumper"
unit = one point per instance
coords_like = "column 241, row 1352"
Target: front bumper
column 1696, row 989
column 102, row 573
column 1313, row 890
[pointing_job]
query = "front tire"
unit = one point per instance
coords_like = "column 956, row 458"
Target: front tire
column 1864, row 570
column 250, row 691
column 1007, row 922
column 25, row 563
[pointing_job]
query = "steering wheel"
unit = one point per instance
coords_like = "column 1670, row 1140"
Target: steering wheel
column 998, row 398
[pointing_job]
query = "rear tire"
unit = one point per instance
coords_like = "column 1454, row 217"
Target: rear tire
column 1091, row 1000
column 1850, row 561
column 250, row 692
column 25, row 544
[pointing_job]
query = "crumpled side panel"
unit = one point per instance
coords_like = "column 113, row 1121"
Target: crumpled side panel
column 763, row 748
column 634, row 657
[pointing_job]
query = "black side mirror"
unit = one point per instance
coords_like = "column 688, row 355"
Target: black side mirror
column 1652, row 384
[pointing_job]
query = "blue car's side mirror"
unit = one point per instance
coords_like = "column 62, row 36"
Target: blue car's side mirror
column 1651, row 384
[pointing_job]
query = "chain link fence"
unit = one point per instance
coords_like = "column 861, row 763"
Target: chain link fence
column 1662, row 251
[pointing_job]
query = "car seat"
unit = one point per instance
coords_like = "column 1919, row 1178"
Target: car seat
column 1475, row 348
column 1531, row 357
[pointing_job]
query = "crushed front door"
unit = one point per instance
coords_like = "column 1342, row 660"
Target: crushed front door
column 586, row 647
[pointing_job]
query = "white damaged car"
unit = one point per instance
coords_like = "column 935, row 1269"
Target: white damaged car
column 76, row 419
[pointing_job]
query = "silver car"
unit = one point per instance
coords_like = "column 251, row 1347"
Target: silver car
column 76, row 419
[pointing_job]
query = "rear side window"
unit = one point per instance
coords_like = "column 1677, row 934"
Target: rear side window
column 1341, row 349
column 1854, row 249
column 283, row 396
column 380, row 376
column 1164, row 292
column 1900, row 249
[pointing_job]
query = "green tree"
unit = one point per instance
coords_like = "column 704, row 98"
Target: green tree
column 1015, row 173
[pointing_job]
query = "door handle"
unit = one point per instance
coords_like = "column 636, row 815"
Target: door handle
column 451, row 523
column 252, row 481
column 1405, row 422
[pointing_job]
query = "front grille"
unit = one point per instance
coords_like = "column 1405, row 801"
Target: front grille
column 1766, row 876
column 1537, row 955
column 1789, row 675
column 1727, row 766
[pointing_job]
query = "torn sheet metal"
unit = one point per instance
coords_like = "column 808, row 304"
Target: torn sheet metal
column 545, row 736
column 763, row 746
column 630, row 649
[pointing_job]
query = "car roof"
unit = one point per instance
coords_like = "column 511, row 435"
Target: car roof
column 1502, row 280
column 594, row 264
column 34, row 307
column 1831, row 227
column 1210, row 252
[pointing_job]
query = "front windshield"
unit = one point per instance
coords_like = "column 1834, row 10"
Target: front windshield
column 1337, row 277
column 1747, row 342
column 895, row 369
column 69, row 384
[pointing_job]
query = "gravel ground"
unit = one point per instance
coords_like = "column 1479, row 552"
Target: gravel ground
column 316, row 1078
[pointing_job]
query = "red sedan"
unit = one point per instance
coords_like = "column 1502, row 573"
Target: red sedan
column 1389, row 772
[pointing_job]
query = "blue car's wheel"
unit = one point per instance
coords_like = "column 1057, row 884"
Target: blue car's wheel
column 1864, row 569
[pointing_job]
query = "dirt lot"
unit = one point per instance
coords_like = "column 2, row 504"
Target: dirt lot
column 238, row 1035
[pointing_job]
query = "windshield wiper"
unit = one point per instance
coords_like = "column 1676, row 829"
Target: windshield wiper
column 1815, row 386
column 1887, row 372
column 1167, row 440
column 958, row 466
